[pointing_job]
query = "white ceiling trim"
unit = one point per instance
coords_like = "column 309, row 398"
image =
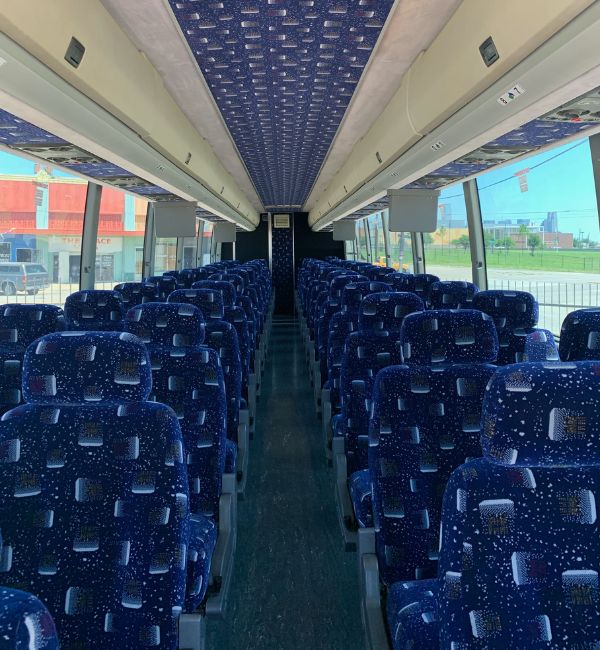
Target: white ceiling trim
column 152, row 28
column 411, row 27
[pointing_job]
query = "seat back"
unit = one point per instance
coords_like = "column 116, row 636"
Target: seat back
column 452, row 294
column 387, row 310
column 93, row 493
column 353, row 293
column 187, row 377
column 520, row 540
column 580, row 335
column 426, row 422
column 94, row 310
column 423, row 282
column 20, row 325
column 137, row 293
column 342, row 324
column 221, row 337
column 165, row 284
column 226, row 288
column 401, row 281
column 365, row 354
column 515, row 315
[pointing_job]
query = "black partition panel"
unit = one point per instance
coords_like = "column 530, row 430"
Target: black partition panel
column 308, row 243
column 255, row 244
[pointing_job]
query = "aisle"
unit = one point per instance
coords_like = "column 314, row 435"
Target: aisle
column 294, row 588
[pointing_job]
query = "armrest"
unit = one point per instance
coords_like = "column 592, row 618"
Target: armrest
column 375, row 629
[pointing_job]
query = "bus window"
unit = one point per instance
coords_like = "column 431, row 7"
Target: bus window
column 541, row 233
column 447, row 252
column 120, row 241
column 41, row 223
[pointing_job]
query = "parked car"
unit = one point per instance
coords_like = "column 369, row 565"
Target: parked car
column 22, row 276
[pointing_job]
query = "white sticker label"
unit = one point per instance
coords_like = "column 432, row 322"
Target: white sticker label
column 510, row 95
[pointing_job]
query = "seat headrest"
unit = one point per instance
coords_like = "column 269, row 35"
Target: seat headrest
column 353, row 293
column 165, row 283
column 387, row 310
column 75, row 367
column 452, row 294
column 449, row 336
column 580, row 335
column 22, row 324
column 135, row 293
column 337, row 284
column 401, row 281
column 170, row 324
column 226, row 288
column 543, row 414
column 94, row 309
column 208, row 301
column 423, row 282
column 509, row 309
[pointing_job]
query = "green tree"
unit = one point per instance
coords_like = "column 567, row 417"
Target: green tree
column 442, row 231
column 533, row 242
column 462, row 241
column 523, row 231
column 427, row 238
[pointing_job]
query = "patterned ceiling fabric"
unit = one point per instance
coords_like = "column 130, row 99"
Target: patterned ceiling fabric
column 282, row 74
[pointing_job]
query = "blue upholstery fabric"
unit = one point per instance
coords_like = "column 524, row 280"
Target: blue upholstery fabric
column 20, row 325
column 341, row 326
column 208, row 301
column 401, row 282
column 353, row 293
column 221, row 337
column 178, row 325
column 136, row 293
column 444, row 335
column 452, row 294
column 188, row 378
column 386, row 311
column 509, row 309
column 426, row 421
column 515, row 314
column 520, row 539
column 226, row 289
column 378, row 273
column 94, row 505
column 365, row 354
column 94, row 310
column 165, row 284
column 25, row 623
column 230, row 457
column 412, row 615
column 77, row 367
column 423, row 283
column 580, row 335
column 359, row 486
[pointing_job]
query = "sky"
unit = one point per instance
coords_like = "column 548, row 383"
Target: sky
column 563, row 183
column 11, row 164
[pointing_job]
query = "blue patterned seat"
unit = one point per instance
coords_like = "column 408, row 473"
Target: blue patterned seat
column 425, row 423
column 452, row 294
column 187, row 377
column 353, row 293
column 387, row 310
column 423, row 283
column 412, row 615
column 94, row 506
column 25, row 623
column 136, row 293
column 20, row 325
column 94, row 310
column 165, row 284
column 518, row 559
column 342, row 324
column 221, row 337
column 515, row 314
column 580, row 335
column 365, row 354
column 401, row 281
column 379, row 273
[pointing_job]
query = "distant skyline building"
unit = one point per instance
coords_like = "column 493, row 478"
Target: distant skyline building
column 550, row 223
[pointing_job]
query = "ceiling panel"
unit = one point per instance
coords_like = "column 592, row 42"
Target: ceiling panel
column 282, row 73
